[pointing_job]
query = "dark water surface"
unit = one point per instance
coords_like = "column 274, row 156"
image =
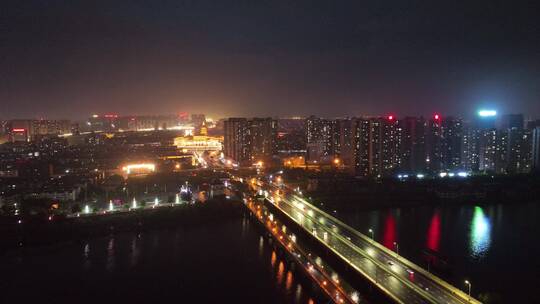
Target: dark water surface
column 222, row 262
column 496, row 247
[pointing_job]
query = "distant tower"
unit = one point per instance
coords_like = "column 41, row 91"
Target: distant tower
column 204, row 129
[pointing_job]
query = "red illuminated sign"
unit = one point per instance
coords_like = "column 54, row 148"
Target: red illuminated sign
column 19, row 130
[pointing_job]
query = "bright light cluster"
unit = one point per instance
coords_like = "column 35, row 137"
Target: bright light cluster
column 487, row 113
column 147, row 166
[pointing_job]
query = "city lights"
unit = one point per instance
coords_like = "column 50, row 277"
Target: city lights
column 148, row 167
column 487, row 113
column 463, row 174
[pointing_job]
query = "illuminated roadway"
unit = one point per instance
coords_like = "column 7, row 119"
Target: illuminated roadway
column 397, row 277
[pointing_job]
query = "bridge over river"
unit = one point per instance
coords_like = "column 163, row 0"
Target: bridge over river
column 395, row 276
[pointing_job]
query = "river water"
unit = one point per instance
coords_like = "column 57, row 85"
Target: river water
column 226, row 261
column 495, row 247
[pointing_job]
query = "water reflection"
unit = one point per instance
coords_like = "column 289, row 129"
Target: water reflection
column 261, row 246
column 480, row 233
column 135, row 252
column 298, row 293
column 434, row 232
column 110, row 255
column 288, row 281
column 389, row 236
column 281, row 268
column 86, row 254
column 86, row 250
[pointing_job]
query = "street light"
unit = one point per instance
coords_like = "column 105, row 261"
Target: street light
column 397, row 248
column 469, row 285
column 371, row 232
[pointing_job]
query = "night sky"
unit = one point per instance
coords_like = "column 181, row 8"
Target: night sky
column 259, row 58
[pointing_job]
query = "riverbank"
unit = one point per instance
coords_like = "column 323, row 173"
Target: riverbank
column 353, row 194
column 38, row 231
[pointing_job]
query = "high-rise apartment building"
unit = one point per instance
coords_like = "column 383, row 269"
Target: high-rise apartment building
column 250, row 140
column 262, row 138
column 470, row 148
column 519, row 150
column 493, row 151
column 236, row 139
column 377, row 146
column 451, row 141
column 413, row 144
column 322, row 132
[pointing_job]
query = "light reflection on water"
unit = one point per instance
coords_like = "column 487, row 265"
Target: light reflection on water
column 288, row 281
column 480, row 234
column 86, row 254
column 433, row 238
column 261, row 246
column 298, row 293
column 135, row 251
column 110, row 254
column 389, row 237
column 281, row 269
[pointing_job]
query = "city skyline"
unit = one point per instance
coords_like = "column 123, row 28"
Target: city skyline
column 468, row 116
